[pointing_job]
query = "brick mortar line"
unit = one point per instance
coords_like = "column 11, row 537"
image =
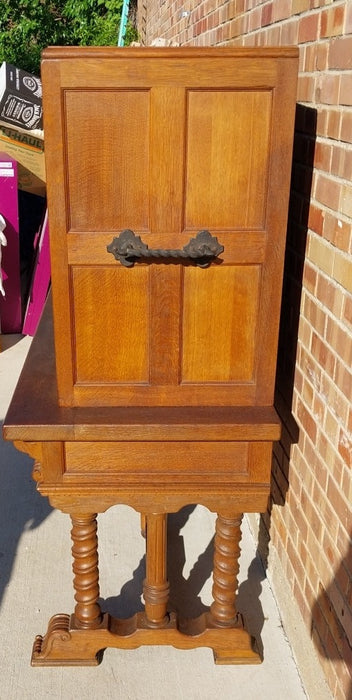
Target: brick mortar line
column 338, row 487
column 328, row 141
column 337, row 322
column 322, row 307
column 325, row 105
column 292, row 20
column 341, row 109
column 334, row 249
column 325, row 241
column 315, row 482
column 303, row 13
column 334, row 212
column 318, row 547
column 327, row 404
column 337, row 106
column 330, row 276
column 330, row 470
column 320, row 304
column 338, row 180
column 318, row 423
column 322, row 520
column 327, row 70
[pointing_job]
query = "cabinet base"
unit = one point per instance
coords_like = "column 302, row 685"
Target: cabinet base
column 65, row 644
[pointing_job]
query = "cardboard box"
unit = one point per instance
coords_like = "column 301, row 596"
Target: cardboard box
column 20, row 98
column 28, row 149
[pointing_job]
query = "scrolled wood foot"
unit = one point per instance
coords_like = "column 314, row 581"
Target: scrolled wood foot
column 64, row 645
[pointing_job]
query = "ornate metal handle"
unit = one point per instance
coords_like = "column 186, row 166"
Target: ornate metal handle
column 129, row 248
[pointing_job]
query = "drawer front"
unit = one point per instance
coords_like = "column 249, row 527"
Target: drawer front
column 158, row 458
column 191, row 461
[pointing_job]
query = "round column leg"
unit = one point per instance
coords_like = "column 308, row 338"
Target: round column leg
column 156, row 586
column 85, row 568
column 225, row 572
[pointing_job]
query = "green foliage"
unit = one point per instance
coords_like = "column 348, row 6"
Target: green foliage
column 94, row 21
column 28, row 26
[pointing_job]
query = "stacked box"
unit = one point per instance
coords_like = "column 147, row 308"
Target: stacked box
column 28, row 149
column 21, row 135
column 20, row 98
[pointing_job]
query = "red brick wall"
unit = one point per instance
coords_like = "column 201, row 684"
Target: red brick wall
column 310, row 520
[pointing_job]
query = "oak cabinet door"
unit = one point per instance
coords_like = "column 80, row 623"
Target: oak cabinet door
column 167, row 143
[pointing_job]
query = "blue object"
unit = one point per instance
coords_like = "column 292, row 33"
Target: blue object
column 123, row 22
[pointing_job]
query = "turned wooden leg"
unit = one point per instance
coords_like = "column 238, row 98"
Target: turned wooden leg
column 156, row 586
column 225, row 572
column 80, row 639
column 85, row 568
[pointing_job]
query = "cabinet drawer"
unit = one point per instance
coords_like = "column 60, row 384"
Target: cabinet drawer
column 157, row 458
column 220, row 462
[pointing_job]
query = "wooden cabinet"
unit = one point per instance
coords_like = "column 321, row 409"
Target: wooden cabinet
column 168, row 179
column 167, row 143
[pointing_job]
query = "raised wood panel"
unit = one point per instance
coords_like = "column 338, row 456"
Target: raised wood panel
column 112, row 344
column 227, row 158
column 107, row 156
column 199, row 458
column 219, row 323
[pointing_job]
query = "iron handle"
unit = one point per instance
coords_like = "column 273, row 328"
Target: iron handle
column 129, row 248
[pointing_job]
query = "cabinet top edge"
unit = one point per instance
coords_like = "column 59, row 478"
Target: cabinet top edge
column 143, row 52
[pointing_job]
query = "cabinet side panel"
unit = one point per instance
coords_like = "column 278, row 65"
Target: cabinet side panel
column 227, row 158
column 112, row 341
column 219, row 323
column 107, row 159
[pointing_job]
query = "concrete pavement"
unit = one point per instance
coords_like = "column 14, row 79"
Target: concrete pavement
column 36, row 582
